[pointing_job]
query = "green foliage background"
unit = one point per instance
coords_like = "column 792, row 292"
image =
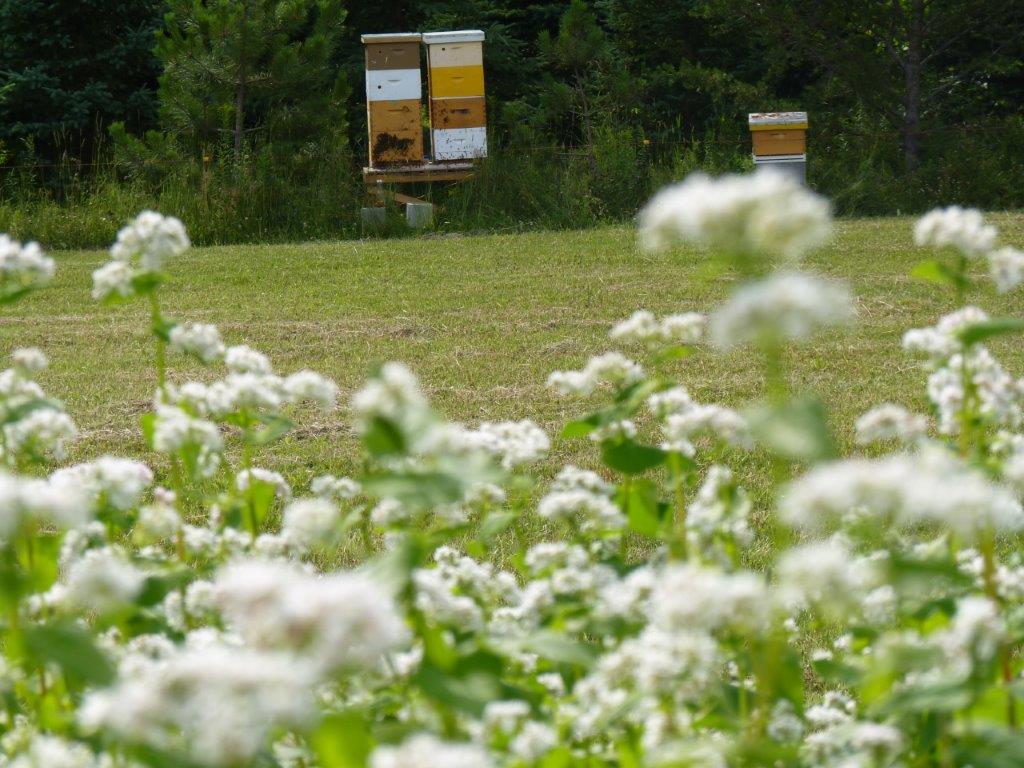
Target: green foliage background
column 107, row 106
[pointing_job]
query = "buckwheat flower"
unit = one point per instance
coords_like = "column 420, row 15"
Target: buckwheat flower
column 307, row 385
column 217, row 702
column 942, row 341
column 964, row 229
column 785, row 307
column 246, row 477
column 715, row 421
column 762, row 214
column 691, row 597
column 44, row 430
column 783, row 723
column 159, row 520
column 878, row 738
column 53, row 752
column 572, row 478
column 22, row 267
column 389, row 512
column 427, row 751
column 976, row 630
column 335, row 488
column 117, row 482
column 340, row 620
column 113, row 279
column 174, row 430
column 150, row 239
column 533, row 741
column 686, row 328
column 513, row 443
column 103, row 580
column 623, row 429
column 823, row 575
column 308, row 522
column 674, row 400
column 244, row 359
column 505, row 716
column 610, row 368
column 1006, row 266
column 929, row 486
column 29, row 361
column 590, row 510
column 721, row 508
column 642, row 326
column 890, row 422
column 199, row 339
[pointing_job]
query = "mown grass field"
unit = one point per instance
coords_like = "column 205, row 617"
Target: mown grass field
column 481, row 319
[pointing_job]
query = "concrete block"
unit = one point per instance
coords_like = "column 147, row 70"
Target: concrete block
column 373, row 217
column 419, row 215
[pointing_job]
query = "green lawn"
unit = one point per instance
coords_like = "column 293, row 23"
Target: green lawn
column 481, row 319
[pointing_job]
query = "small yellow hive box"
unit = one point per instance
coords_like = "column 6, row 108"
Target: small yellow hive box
column 393, row 98
column 778, row 133
column 458, row 117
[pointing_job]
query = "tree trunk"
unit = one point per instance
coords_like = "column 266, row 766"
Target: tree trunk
column 912, row 86
column 240, row 82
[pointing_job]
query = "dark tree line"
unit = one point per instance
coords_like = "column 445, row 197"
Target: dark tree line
column 237, row 79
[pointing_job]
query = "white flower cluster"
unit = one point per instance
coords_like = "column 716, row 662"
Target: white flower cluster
column 929, row 486
column 965, row 231
column 994, row 394
column 140, row 251
column 767, row 213
column 32, row 425
column 783, row 308
column 22, row 267
column 612, row 368
column 644, row 328
column 580, row 497
column 890, row 422
column 250, row 384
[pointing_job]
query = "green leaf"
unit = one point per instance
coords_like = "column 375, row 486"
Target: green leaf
column 632, row 458
column 797, row 430
column 162, row 328
column 72, row 648
column 997, row 326
column 417, row 489
column 642, row 507
column 495, row 523
column 343, row 740
column 933, row 271
column 148, row 424
column 273, row 428
column 469, row 693
column 147, row 282
column 579, row 428
column 384, row 438
column 559, row 648
column 156, row 588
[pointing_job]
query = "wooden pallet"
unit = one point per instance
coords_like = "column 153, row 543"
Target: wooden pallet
column 377, row 178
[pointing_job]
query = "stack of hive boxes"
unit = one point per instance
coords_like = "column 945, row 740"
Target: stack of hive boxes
column 458, row 126
column 393, row 97
column 780, row 141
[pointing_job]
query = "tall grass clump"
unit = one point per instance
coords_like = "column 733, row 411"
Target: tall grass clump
column 197, row 613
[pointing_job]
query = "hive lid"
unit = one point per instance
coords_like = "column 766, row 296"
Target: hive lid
column 393, row 37
column 775, row 119
column 459, row 36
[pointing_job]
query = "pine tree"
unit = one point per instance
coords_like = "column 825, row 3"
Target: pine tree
column 68, row 69
column 251, row 68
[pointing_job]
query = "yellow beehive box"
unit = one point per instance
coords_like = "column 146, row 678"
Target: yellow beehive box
column 778, row 133
column 393, row 98
column 458, row 117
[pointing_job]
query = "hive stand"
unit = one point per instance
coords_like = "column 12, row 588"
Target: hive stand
column 393, row 98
